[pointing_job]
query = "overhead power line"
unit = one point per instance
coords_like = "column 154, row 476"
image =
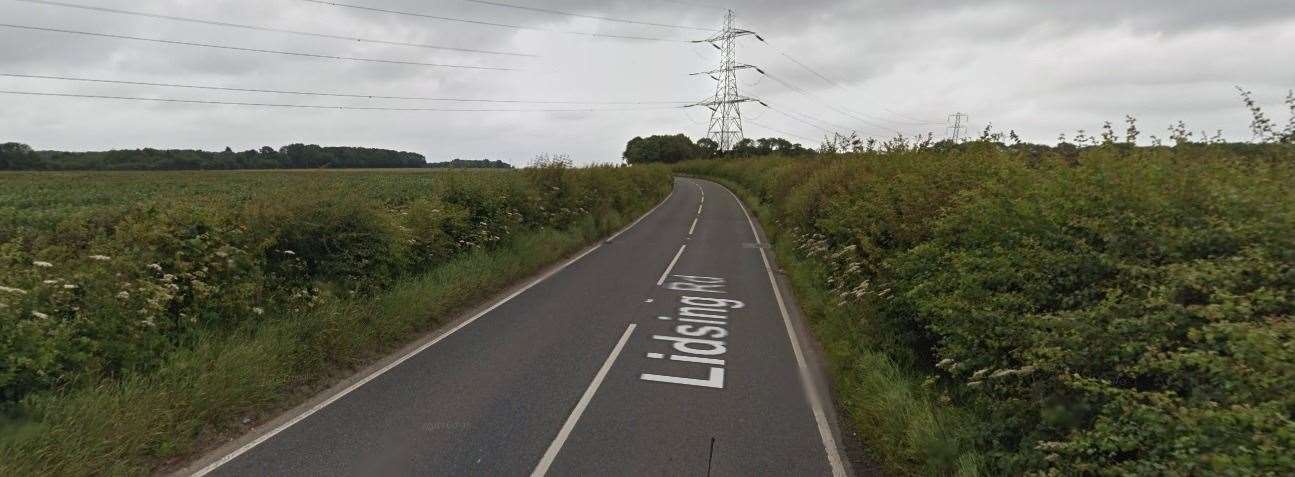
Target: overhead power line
column 581, row 15
column 779, row 131
column 256, row 50
column 333, row 95
column 313, row 106
column 910, row 121
column 486, row 23
column 267, row 29
column 829, row 105
column 807, row 119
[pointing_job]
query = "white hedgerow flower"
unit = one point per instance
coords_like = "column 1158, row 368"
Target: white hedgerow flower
column 69, row 286
column 13, row 290
column 258, row 310
column 40, row 315
column 973, row 384
column 1002, row 373
column 222, row 254
column 155, row 267
column 125, row 295
column 980, row 374
column 168, row 277
column 101, row 258
column 944, row 363
column 289, row 252
column 42, row 264
column 50, row 282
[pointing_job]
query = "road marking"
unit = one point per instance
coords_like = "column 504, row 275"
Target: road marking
column 671, row 266
column 694, row 225
column 811, row 391
column 209, row 468
column 552, row 453
column 748, row 218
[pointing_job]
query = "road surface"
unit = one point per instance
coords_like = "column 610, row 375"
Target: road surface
column 666, row 350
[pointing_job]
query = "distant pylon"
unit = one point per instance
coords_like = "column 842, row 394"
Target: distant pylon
column 726, row 115
column 956, row 128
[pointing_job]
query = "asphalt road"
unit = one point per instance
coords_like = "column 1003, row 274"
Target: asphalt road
column 664, row 351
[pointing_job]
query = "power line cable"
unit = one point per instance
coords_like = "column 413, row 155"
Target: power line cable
column 800, row 120
column 312, row 106
column 829, row 105
column 329, row 94
column 493, row 24
column 256, row 50
column 779, row 131
column 267, row 29
column 837, row 84
column 581, row 15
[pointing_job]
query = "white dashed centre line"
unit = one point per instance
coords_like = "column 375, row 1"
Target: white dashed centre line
column 661, row 281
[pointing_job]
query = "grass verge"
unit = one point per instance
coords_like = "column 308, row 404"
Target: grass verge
column 899, row 414
column 200, row 396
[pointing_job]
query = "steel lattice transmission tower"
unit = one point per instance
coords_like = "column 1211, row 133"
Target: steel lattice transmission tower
column 956, row 129
column 726, row 114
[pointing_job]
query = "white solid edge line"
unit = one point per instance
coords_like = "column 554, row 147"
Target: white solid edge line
column 671, row 266
column 640, row 219
column 331, row 399
column 811, row 391
column 555, row 447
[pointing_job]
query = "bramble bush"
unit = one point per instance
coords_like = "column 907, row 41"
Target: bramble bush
column 102, row 275
column 1103, row 310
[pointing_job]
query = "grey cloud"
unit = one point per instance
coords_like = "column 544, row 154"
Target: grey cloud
column 1040, row 67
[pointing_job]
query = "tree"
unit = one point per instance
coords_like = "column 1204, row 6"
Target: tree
column 708, row 148
column 665, row 149
column 14, row 155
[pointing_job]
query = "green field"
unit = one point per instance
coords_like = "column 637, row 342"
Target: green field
column 1008, row 310
column 145, row 315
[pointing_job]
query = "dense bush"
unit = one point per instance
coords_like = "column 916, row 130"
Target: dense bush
column 103, row 275
column 1114, row 311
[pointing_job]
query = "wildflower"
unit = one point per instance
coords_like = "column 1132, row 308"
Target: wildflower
column 1002, row 373
column 221, row 254
column 69, row 286
column 258, row 310
column 980, row 374
column 155, row 267
column 40, row 315
column 13, row 290
column 101, row 258
column 973, row 384
column 168, row 277
column 289, row 252
column 43, row 264
column 125, row 295
column 944, row 363
column 50, row 282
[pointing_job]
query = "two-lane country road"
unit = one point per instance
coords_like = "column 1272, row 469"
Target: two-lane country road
column 666, row 350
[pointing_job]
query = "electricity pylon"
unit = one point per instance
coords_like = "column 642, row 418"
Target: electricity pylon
column 725, row 111
column 956, row 129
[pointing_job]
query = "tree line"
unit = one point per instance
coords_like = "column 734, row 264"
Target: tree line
column 18, row 156
column 678, row 147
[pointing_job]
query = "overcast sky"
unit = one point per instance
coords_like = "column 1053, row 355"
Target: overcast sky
column 1040, row 67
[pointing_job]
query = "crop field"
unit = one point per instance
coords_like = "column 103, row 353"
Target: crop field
column 988, row 309
column 143, row 313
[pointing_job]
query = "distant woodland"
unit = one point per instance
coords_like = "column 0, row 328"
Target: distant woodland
column 17, row 156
